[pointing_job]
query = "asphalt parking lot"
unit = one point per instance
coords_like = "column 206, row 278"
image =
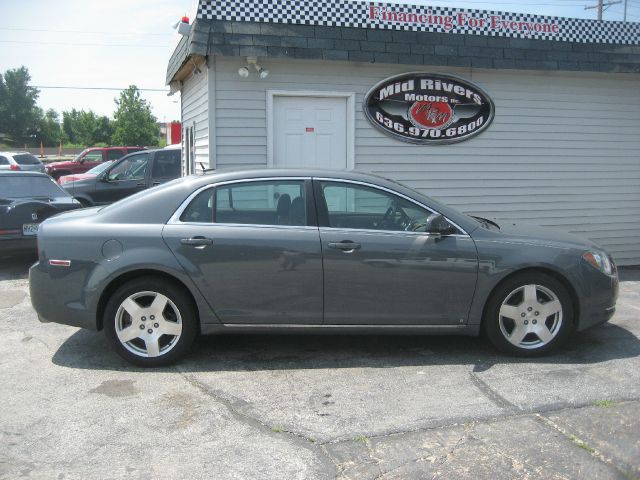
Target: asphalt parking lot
column 291, row 407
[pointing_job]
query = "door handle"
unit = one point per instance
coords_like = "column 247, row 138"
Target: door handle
column 345, row 246
column 155, row 184
column 197, row 241
column 140, row 185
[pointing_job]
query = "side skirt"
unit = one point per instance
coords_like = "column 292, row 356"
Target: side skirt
column 292, row 329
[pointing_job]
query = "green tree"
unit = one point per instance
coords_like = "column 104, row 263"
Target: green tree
column 86, row 128
column 50, row 131
column 18, row 105
column 134, row 124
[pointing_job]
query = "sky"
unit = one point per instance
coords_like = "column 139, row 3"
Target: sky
column 116, row 43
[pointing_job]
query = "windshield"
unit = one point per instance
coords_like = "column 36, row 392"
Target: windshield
column 100, row 168
column 26, row 159
column 18, row 186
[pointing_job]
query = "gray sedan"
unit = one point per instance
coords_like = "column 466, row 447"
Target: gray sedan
column 310, row 251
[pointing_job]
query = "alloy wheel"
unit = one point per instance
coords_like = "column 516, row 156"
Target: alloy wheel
column 148, row 324
column 530, row 316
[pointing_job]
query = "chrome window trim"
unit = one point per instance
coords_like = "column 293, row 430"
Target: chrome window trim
column 175, row 218
column 393, row 192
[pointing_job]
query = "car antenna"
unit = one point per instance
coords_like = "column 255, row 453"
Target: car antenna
column 205, row 170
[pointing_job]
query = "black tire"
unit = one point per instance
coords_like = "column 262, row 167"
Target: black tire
column 115, row 321
column 496, row 326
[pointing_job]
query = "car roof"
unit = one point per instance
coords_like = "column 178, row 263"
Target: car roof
column 15, row 153
column 4, row 173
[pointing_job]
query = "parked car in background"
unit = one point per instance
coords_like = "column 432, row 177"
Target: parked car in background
column 132, row 173
column 26, row 199
column 20, row 162
column 89, row 174
column 311, row 251
column 88, row 159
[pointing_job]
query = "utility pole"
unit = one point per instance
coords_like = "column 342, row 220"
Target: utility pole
column 603, row 6
column 625, row 10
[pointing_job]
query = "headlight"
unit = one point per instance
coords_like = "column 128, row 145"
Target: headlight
column 599, row 261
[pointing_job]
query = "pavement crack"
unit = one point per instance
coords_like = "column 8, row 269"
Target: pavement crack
column 581, row 443
column 491, row 394
column 254, row 422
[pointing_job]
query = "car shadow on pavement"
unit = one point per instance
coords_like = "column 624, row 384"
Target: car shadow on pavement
column 234, row 353
column 16, row 267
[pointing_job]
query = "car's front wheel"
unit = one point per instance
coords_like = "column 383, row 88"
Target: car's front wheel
column 150, row 321
column 529, row 315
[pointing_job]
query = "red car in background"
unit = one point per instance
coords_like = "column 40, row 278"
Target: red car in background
column 101, row 167
column 88, row 159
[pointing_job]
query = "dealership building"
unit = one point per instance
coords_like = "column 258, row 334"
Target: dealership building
column 511, row 116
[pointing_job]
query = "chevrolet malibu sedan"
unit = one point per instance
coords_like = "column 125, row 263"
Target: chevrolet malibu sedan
column 310, row 252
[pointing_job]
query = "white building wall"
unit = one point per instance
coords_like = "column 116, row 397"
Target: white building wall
column 563, row 149
column 195, row 113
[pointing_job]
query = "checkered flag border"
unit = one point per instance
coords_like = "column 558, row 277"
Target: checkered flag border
column 420, row 18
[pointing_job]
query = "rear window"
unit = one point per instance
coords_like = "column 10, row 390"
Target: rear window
column 166, row 164
column 26, row 159
column 18, row 186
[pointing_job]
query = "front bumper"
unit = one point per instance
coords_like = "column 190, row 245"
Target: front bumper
column 599, row 300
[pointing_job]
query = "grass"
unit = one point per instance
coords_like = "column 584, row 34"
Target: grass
column 581, row 444
column 605, row 403
column 276, row 429
column 361, row 439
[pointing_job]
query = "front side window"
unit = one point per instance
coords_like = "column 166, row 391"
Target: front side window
column 130, row 168
column 361, row 207
column 93, row 156
column 273, row 202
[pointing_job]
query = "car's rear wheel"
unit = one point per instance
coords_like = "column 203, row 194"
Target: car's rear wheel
column 529, row 315
column 150, row 321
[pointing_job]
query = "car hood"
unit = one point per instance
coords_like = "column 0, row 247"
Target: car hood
column 535, row 235
column 75, row 177
column 67, row 163
column 83, row 185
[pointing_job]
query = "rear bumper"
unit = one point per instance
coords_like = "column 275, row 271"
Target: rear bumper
column 57, row 296
column 18, row 244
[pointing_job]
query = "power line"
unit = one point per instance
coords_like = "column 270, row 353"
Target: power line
column 19, row 42
column 64, row 87
column 22, row 29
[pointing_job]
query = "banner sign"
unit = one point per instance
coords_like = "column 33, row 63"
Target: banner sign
column 422, row 18
column 428, row 108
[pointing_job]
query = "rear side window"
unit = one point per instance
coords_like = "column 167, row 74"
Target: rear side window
column 200, row 210
column 274, row 202
column 4, row 161
column 19, row 186
column 94, row 156
column 114, row 154
column 166, row 164
column 26, row 159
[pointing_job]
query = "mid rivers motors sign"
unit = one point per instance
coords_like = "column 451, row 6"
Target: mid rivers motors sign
column 428, row 108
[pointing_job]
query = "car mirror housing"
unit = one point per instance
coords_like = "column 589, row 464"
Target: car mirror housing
column 439, row 225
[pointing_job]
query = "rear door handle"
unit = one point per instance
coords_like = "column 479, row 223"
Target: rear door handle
column 345, row 246
column 155, row 184
column 141, row 185
column 197, row 241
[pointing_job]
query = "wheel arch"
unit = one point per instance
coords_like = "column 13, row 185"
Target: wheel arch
column 121, row 279
column 573, row 294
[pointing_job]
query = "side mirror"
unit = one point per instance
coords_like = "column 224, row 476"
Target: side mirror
column 104, row 177
column 438, row 225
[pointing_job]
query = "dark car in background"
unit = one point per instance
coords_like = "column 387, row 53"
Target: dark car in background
column 132, row 173
column 88, row 159
column 311, row 251
column 26, row 199
column 20, row 162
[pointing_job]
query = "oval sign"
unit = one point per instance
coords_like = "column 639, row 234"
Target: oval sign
column 428, row 108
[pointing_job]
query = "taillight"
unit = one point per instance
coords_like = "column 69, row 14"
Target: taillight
column 14, row 167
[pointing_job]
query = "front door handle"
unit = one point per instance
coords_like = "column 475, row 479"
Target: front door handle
column 141, row 185
column 345, row 246
column 200, row 242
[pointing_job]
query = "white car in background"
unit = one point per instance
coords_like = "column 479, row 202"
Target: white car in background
column 20, row 162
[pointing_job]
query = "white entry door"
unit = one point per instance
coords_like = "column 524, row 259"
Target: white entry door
column 310, row 132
